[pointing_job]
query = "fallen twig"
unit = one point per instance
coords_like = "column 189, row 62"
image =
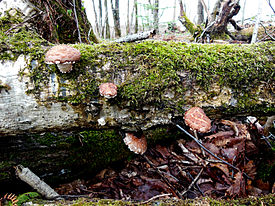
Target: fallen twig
column 136, row 37
column 208, row 151
column 155, row 197
column 175, row 191
column 271, row 37
column 193, row 182
column 26, row 175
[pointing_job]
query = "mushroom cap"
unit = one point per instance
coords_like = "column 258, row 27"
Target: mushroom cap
column 108, row 90
column 197, row 120
column 62, row 54
column 135, row 144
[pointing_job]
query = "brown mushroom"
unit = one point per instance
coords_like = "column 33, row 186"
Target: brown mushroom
column 197, row 120
column 135, row 144
column 108, row 90
column 63, row 56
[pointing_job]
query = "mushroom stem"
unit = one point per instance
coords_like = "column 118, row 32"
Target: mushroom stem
column 64, row 68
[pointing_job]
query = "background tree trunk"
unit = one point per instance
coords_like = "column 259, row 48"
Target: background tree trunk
column 100, row 18
column 156, row 16
column 62, row 28
column 258, row 19
column 106, row 22
column 136, row 15
column 200, row 13
column 115, row 9
column 96, row 20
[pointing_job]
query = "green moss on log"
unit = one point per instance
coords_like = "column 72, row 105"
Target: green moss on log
column 153, row 68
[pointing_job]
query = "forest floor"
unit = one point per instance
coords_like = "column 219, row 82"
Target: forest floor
column 182, row 173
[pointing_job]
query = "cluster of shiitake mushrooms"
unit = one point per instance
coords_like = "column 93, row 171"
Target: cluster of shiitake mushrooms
column 65, row 56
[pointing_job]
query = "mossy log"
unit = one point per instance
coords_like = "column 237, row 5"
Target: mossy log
column 157, row 81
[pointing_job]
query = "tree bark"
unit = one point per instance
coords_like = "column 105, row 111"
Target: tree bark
column 156, row 16
column 107, row 26
column 200, row 13
column 96, row 20
column 136, row 15
column 115, row 9
column 57, row 22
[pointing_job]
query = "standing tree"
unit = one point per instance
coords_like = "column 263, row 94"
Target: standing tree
column 128, row 18
column 216, row 25
column 96, row 20
column 156, row 15
column 62, row 21
column 115, row 10
column 106, row 22
column 200, row 13
column 136, row 15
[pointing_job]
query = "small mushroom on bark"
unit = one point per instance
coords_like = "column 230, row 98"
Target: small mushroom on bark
column 135, row 144
column 108, row 90
column 63, row 56
column 197, row 120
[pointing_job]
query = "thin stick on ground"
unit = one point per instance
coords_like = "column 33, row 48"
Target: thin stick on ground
column 271, row 37
column 208, row 151
column 156, row 197
column 175, row 191
column 193, row 182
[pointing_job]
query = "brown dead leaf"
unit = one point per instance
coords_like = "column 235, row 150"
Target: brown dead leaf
column 229, row 153
column 233, row 125
column 220, row 135
column 243, row 132
column 222, row 167
column 237, row 189
column 250, row 169
column 221, row 142
column 193, row 147
column 250, row 148
column 213, row 148
column 163, row 151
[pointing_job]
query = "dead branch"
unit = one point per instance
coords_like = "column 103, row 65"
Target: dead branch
column 208, row 151
column 137, row 37
column 193, row 182
column 271, row 37
column 174, row 190
column 155, row 197
column 26, row 175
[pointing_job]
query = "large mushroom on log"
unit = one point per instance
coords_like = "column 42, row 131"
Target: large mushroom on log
column 135, row 144
column 197, row 120
column 63, row 56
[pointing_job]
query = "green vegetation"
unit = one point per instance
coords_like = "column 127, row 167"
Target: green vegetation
column 152, row 68
column 252, row 201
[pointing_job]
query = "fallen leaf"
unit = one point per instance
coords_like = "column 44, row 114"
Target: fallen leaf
column 237, row 189
column 220, row 135
column 222, row 167
column 229, row 153
column 212, row 147
column 250, row 169
column 163, row 151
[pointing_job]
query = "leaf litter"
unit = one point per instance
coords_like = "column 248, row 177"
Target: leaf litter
column 183, row 170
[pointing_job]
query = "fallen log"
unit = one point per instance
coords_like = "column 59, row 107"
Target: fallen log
column 137, row 37
column 157, row 81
